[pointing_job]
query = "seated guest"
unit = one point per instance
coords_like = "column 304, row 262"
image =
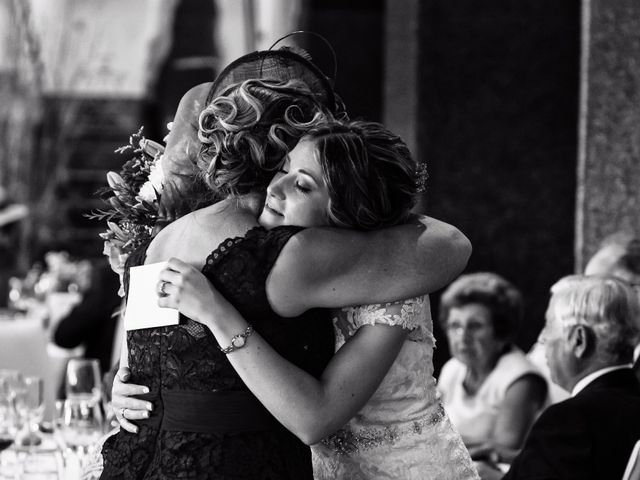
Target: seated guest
column 618, row 256
column 491, row 392
column 10, row 215
column 591, row 329
column 92, row 323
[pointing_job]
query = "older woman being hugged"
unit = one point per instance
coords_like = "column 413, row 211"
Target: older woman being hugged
column 491, row 392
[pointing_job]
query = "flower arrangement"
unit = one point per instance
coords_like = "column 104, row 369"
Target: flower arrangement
column 133, row 195
column 132, row 198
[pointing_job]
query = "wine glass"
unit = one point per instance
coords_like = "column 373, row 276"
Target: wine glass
column 81, row 425
column 8, row 420
column 83, row 379
column 14, row 390
column 30, row 407
column 13, row 380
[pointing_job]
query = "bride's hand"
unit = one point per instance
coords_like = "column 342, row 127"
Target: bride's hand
column 124, row 406
column 186, row 289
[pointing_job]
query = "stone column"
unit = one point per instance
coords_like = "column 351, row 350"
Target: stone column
column 608, row 180
column 401, row 57
column 401, row 69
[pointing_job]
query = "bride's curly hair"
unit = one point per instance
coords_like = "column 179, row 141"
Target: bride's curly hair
column 248, row 130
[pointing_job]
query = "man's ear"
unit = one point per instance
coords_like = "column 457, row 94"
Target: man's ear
column 582, row 341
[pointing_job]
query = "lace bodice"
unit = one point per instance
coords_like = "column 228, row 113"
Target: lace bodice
column 182, row 365
column 402, row 431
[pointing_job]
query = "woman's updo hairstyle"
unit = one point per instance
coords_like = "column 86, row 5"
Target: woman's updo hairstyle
column 248, row 130
column 369, row 172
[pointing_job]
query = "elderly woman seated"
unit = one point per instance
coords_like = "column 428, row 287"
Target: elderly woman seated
column 491, row 392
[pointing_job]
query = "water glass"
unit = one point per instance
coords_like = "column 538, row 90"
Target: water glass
column 81, row 427
column 9, row 425
column 83, row 378
column 30, row 407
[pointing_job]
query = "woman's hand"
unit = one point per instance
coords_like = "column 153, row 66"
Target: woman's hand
column 124, row 406
column 186, row 289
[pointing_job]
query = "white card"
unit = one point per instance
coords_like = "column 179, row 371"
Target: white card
column 142, row 303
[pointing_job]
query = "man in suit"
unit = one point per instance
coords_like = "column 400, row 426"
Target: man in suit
column 590, row 332
column 93, row 322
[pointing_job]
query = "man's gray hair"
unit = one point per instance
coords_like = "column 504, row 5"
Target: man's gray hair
column 610, row 307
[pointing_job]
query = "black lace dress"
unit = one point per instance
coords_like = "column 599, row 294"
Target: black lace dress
column 205, row 423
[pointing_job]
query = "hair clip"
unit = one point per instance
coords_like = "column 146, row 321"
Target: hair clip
column 422, row 175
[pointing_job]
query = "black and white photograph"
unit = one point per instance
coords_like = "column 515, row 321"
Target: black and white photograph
column 319, row 240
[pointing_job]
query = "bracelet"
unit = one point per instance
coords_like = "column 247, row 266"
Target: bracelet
column 238, row 341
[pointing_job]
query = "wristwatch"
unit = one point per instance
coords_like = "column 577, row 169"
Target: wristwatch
column 238, row 341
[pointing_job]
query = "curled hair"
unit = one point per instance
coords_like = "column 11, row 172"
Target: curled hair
column 499, row 296
column 247, row 131
column 608, row 306
column 369, row 173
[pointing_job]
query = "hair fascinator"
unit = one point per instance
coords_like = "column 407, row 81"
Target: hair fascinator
column 283, row 64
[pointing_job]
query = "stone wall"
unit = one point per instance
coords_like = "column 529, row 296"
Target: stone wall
column 609, row 161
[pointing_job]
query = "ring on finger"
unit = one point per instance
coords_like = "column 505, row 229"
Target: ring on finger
column 122, row 410
column 162, row 290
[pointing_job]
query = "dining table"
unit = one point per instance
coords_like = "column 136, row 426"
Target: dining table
column 26, row 345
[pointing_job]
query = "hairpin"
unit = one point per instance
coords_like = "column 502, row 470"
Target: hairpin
column 422, row 175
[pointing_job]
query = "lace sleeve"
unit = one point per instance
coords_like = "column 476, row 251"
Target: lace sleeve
column 408, row 314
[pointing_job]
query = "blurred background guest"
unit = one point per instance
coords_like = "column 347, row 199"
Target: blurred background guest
column 10, row 215
column 92, row 323
column 618, row 256
column 491, row 392
column 589, row 337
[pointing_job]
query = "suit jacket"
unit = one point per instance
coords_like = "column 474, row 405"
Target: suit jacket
column 92, row 322
column 589, row 436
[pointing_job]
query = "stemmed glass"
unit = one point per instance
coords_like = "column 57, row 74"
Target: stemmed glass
column 12, row 390
column 83, row 379
column 14, row 382
column 30, row 407
column 8, row 420
column 81, row 426
column 81, row 422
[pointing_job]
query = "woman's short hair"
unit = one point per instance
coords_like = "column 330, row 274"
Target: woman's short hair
column 498, row 295
column 247, row 131
column 369, row 172
column 609, row 306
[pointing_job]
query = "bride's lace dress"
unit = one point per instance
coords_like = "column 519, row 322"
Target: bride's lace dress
column 206, row 424
column 403, row 431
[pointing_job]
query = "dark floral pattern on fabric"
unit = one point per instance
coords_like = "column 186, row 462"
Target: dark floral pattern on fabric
column 186, row 358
